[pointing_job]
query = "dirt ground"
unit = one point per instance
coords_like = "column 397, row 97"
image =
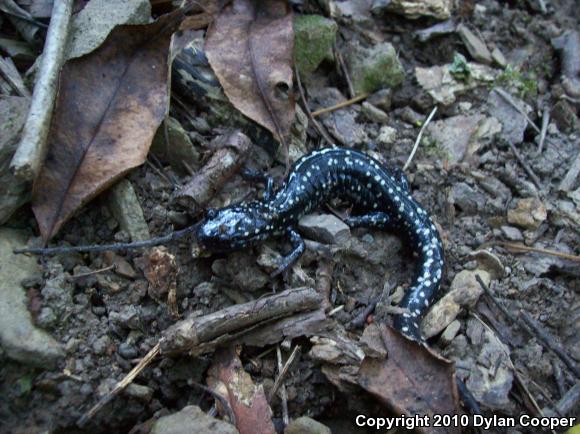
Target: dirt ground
column 107, row 321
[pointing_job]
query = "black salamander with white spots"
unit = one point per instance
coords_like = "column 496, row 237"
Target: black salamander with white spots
column 380, row 197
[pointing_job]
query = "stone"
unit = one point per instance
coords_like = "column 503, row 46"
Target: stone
column 177, row 150
column 457, row 135
column 382, row 99
column 439, row 83
column 464, row 292
column 491, row 380
column 125, row 206
column 466, row 198
column 529, row 213
column 191, row 420
column 564, row 116
column 373, row 113
column 314, row 36
column 514, row 123
column 373, row 68
column 450, row 332
column 325, row 228
column 413, row 9
column 489, row 262
column 499, row 58
column 15, row 193
column 387, row 135
column 121, row 266
column 306, row 425
column 139, row 392
column 19, row 338
column 511, row 233
column 475, row 46
column 91, row 26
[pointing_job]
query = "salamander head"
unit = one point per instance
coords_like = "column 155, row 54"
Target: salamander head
column 230, row 228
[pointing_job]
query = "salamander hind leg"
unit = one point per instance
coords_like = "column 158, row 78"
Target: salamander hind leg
column 297, row 249
column 255, row 176
column 376, row 219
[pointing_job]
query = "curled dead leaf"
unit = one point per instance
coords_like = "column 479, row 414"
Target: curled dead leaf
column 109, row 105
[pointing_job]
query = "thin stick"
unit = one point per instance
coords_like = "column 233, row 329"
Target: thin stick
column 416, row 145
column 117, row 246
column 29, row 156
column 550, row 342
column 283, row 394
column 524, row 248
column 545, row 122
column 344, row 70
column 316, row 124
column 282, row 374
column 525, row 165
column 341, row 104
column 530, row 326
column 145, row 361
column 90, row 273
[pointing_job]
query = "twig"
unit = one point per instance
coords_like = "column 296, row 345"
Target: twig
column 527, row 168
column 568, row 402
column 559, row 378
column 344, row 70
column 218, row 397
column 283, row 373
column 29, row 156
column 545, row 122
column 530, row 326
column 90, row 273
column 525, row 248
column 416, row 145
column 149, row 357
column 550, row 342
column 316, row 124
column 117, row 246
column 341, row 104
column 283, row 394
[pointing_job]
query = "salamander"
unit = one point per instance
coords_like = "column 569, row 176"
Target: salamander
column 380, row 196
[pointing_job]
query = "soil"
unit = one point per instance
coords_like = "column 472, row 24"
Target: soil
column 106, row 322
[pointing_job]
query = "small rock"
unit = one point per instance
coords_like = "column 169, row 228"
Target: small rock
column 565, row 117
column 139, row 392
column 511, row 233
column 177, row 150
column 91, row 26
column 306, row 425
column 489, row 262
column 476, row 47
column 101, row 345
column 15, row 193
column 382, row 99
column 325, row 228
column 457, row 135
column 125, row 206
column 127, row 351
column 529, row 213
column 438, row 81
column 438, row 9
column 438, row 29
column 387, row 135
column 374, row 114
column 514, row 123
column 374, row 68
column 127, row 317
column 465, row 292
column 19, row 338
column 498, row 57
column 190, row 420
column 314, row 36
column 121, row 265
column 466, row 198
column 450, row 332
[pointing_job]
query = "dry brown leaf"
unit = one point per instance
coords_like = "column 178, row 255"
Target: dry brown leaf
column 247, row 400
column 411, row 380
column 109, row 105
column 250, row 46
column 161, row 272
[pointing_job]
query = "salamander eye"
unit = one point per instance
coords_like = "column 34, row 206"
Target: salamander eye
column 211, row 213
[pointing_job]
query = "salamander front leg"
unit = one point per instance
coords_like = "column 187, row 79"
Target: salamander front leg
column 255, row 176
column 297, row 250
column 376, row 219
